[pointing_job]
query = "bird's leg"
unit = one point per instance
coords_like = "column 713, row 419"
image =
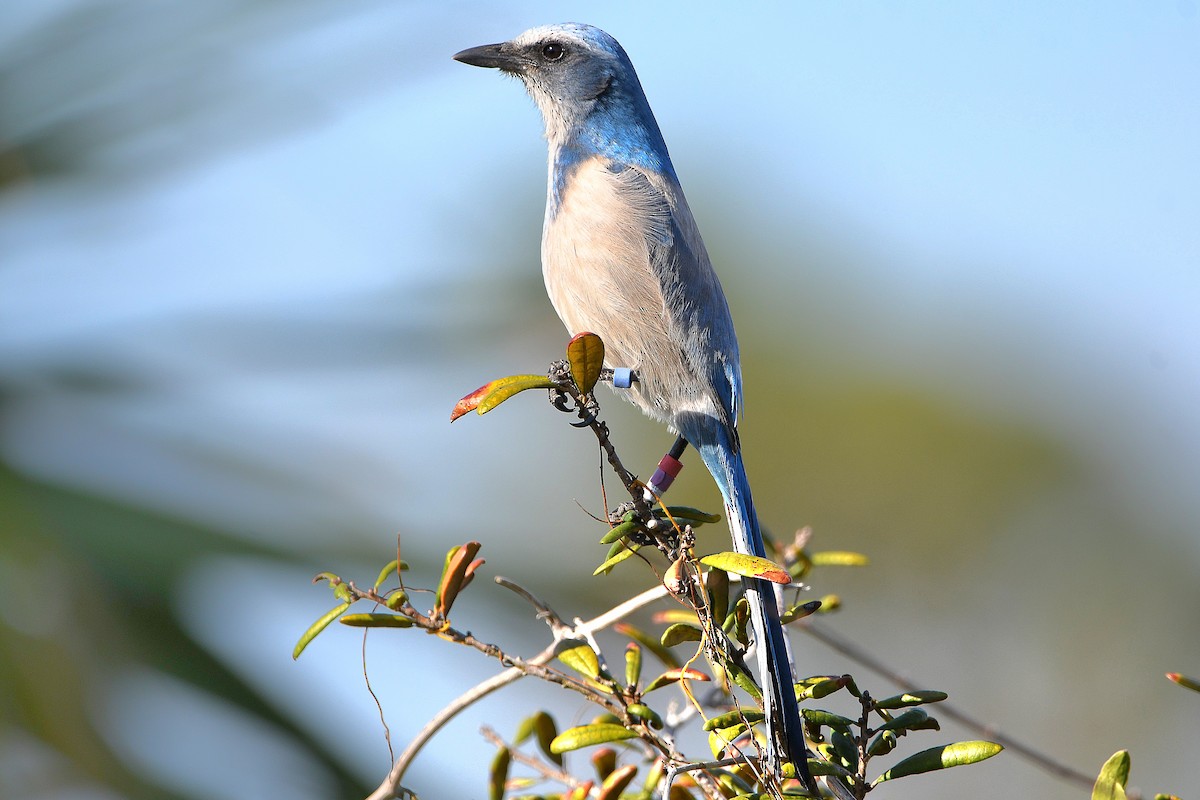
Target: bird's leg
column 669, row 468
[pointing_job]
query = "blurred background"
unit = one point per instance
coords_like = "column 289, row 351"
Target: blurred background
column 252, row 253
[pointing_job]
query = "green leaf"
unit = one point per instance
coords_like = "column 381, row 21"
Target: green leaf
column 376, row 620
column 581, row 658
column 910, row 699
column 618, row 532
column 681, row 632
column 693, row 515
column 845, row 746
column 817, row 717
column 1113, row 777
column 645, row 714
column 633, row 665
column 882, row 744
column 839, row 558
column 498, row 775
column 547, row 731
column 748, row 566
column 935, row 758
column 385, row 573
column 730, row 718
column 720, row 738
column 800, row 611
column 819, row 686
column 914, row 719
column 318, row 626
column 819, row 766
column 735, row 623
column 743, row 679
column 585, row 354
column 588, row 735
column 542, row 725
column 624, row 550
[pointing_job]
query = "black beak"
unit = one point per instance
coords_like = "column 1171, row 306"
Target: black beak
column 497, row 56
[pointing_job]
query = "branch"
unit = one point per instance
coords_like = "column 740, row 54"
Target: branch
column 537, row 764
column 390, row 787
column 856, row 654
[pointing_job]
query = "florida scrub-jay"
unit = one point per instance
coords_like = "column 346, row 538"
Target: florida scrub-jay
column 622, row 258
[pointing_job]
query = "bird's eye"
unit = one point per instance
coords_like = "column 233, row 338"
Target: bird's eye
column 552, row 51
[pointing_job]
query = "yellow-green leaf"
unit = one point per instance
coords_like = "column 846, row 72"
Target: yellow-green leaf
column 318, row 626
column 882, row 744
column 588, row 735
column 498, row 775
column 581, row 658
column 839, row 558
column 633, row 665
column 743, row 679
column 799, row 611
column 385, row 573
column 935, row 758
column 748, row 566
column 618, row 532
column 819, row 686
column 585, row 354
column 720, row 738
column 679, row 633
column 541, row 724
column 819, row 766
column 1110, row 785
column 580, row 792
column 693, row 515
column 915, row 719
column 910, row 699
column 730, row 718
column 625, row 551
column 502, row 389
column 645, row 714
column 817, row 717
column 376, row 620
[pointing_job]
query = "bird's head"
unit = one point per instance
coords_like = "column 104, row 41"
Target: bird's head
column 567, row 69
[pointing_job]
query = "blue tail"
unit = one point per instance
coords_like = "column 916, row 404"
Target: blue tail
column 785, row 731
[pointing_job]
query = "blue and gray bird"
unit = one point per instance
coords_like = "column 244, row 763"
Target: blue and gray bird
column 622, row 258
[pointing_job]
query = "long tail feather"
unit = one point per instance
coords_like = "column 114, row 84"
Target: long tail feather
column 784, row 728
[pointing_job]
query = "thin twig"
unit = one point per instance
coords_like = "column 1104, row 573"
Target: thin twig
column 390, row 786
column 544, row 769
column 857, row 654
